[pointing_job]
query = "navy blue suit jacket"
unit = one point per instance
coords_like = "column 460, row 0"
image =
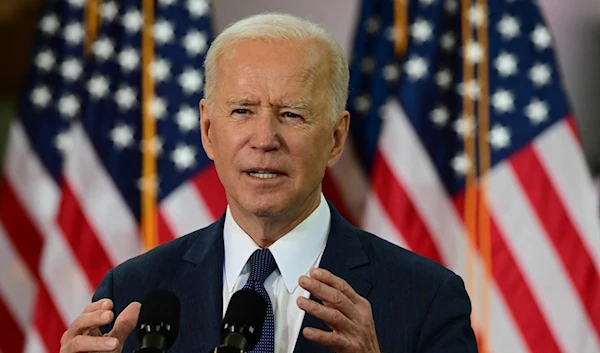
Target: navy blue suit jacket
column 418, row 305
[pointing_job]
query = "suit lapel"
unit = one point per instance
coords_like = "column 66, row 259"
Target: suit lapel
column 345, row 257
column 201, row 289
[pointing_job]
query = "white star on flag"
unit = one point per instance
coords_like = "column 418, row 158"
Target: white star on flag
column 103, row 48
column 448, row 41
column 451, row 6
column 503, row 101
column 122, row 136
column 416, row 68
column 541, row 37
column 163, row 32
column 187, row 119
column 465, row 126
column 98, row 86
column 74, row 33
column 506, row 64
column 426, row 2
column 440, row 116
column 367, row 65
column 49, row 24
column 109, row 11
column 190, row 81
column 421, row 31
column 537, row 111
column 198, row 8
column 461, row 164
column 45, row 60
column 161, row 69
column 443, row 78
column 473, row 52
column 477, row 16
column 471, row 89
column 540, row 74
column 63, row 141
column 184, row 157
column 508, row 27
column 76, row 3
column 40, row 96
column 155, row 146
column 362, row 103
column 195, row 43
column 68, row 106
column 132, row 21
column 129, row 59
column 71, row 69
column 372, row 25
column 391, row 72
column 158, row 107
column 126, row 98
column 166, row 3
column 499, row 137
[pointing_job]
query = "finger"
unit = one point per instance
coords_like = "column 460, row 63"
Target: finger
column 102, row 304
column 125, row 322
column 90, row 344
column 85, row 322
column 329, row 295
column 331, row 340
column 332, row 317
column 336, row 282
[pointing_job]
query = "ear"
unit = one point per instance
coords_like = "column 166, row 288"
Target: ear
column 205, row 129
column 340, row 133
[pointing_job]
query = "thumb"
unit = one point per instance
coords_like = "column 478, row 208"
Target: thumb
column 125, row 322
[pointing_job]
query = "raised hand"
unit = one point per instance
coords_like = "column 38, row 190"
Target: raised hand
column 84, row 334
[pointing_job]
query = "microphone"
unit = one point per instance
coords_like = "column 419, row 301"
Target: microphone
column 158, row 323
column 243, row 322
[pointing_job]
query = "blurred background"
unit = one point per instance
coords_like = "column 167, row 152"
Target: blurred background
column 465, row 150
column 575, row 25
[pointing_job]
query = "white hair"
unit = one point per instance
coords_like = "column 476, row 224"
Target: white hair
column 278, row 26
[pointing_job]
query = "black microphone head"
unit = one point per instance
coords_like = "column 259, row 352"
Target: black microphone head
column 159, row 316
column 245, row 316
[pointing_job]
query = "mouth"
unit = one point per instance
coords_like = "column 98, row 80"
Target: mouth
column 264, row 174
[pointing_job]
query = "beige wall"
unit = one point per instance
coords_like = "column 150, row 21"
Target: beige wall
column 575, row 24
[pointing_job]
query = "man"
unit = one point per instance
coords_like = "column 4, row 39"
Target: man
column 273, row 120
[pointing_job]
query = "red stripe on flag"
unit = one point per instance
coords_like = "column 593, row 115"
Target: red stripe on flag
column 515, row 290
column 332, row 193
column 401, row 210
column 208, row 184
column 20, row 228
column 560, row 229
column 14, row 339
column 572, row 124
column 28, row 241
column 48, row 321
column 81, row 237
column 165, row 234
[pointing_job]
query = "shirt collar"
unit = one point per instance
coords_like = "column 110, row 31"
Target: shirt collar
column 295, row 253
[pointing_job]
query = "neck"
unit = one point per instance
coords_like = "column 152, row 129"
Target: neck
column 266, row 230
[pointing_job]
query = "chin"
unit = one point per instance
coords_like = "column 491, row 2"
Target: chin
column 265, row 205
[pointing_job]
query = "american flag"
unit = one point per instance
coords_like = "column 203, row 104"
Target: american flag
column 521, row 229
column 73, row 180
column 472, row 159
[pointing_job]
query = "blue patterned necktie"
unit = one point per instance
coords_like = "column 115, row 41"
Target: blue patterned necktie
column 262, row 264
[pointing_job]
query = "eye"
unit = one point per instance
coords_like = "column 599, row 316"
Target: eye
column 291, row 115
column 241, row 111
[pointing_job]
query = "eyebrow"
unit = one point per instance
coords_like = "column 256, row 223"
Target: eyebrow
column 242, row 102
column 251, row 102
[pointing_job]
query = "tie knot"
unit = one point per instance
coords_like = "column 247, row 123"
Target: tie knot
column 262, row 264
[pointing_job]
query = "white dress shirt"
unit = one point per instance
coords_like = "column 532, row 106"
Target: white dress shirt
column 295, row 253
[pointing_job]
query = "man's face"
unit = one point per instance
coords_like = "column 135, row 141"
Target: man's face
column 268, row 126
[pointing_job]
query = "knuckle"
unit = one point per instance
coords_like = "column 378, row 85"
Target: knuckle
column 336, row 316
column 344, row 287
column 338, row 298
column 77, row 343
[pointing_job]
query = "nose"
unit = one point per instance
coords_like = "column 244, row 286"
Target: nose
column 265, row 132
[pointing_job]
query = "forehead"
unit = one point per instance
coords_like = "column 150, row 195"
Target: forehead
column 252, row 60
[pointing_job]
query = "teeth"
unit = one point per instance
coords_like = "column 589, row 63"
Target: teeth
column 263, row 175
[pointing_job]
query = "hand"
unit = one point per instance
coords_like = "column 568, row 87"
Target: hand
column 346, row 312
column 84, row 334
